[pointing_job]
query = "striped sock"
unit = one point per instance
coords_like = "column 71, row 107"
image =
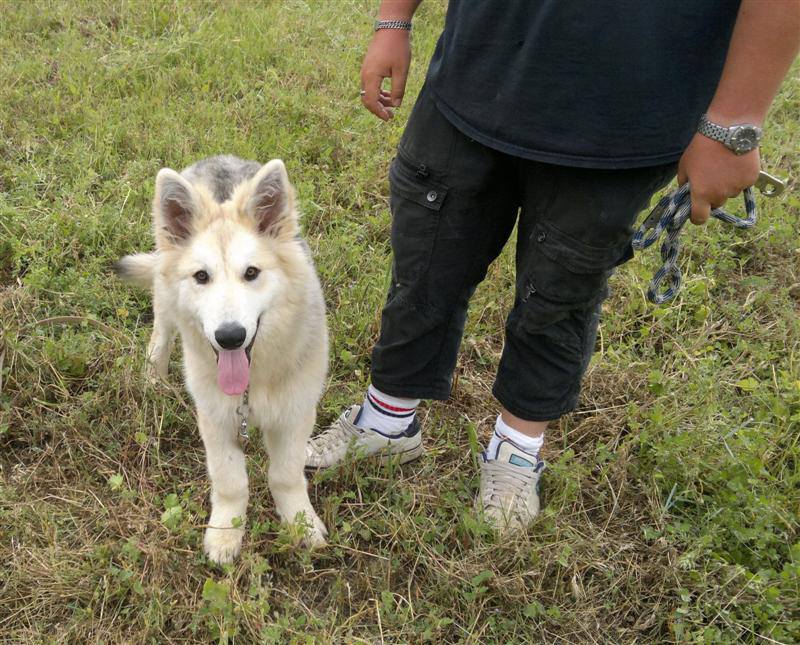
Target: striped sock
column 387, row 414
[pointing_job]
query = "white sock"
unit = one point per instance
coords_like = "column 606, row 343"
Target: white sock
column 387, row 414
column 502, row 430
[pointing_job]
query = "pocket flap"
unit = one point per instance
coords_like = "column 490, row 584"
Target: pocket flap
column 416, row 186
column 577, row 256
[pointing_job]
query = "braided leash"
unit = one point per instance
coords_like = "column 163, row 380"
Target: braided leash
column 671, row 213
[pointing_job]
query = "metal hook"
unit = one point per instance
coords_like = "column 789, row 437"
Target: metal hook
column 769, row 185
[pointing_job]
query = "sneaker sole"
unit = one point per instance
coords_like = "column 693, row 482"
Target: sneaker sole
column 401, row 457
column 384, row 456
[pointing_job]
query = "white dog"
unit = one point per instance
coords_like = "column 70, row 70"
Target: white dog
column 232, row 275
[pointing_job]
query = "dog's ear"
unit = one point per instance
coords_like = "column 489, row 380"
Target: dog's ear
column 271, row 200
column 175, row 206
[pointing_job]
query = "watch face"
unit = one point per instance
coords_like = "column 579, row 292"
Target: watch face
column 744, row 139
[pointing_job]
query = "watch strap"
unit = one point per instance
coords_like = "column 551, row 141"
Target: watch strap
column 727, row 135
column 713, row 130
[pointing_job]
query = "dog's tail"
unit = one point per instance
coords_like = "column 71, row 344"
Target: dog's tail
column 138, row 269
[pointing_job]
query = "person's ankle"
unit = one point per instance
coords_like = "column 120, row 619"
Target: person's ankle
column 387, row 414
column 504, row 432
column 524, row 426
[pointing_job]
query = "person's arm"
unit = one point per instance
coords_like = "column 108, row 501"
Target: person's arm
column 765, row 41
column 388, row 56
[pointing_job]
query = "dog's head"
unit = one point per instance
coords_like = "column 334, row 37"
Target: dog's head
column 225, row 264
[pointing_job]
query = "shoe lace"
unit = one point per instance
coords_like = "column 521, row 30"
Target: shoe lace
column 504, row 483
column 339, row 433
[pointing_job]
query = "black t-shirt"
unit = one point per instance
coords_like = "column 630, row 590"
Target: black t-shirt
column 592, row 83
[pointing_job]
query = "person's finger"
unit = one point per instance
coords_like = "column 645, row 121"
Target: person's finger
column 398, row 86
column 682, row 178
column 701, row 209
column 371, row 88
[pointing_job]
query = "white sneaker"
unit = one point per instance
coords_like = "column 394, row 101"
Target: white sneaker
column 509, row 494
column 344, row 437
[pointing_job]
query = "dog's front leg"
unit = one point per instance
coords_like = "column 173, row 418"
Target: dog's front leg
column 287, row 482
column 228, row 474
column 161, row 341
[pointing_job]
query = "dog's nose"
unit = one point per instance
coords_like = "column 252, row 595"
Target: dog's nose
column 230, row 335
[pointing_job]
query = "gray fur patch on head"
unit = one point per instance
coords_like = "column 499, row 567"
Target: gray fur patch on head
column 221, row 174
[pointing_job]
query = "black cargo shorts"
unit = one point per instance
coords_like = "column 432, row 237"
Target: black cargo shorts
column 454, row 204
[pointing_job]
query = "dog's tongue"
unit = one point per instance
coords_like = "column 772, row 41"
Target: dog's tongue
column 233, row 371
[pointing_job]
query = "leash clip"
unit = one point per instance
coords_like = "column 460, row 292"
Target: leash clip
column 769, row 185
column 655, row 216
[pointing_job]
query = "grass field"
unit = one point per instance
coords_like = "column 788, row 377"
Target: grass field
column 673, row 495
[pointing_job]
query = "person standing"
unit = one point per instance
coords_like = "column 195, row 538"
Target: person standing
column 563, row 118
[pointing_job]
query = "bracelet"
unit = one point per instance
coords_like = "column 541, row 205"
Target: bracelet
column 393, row 24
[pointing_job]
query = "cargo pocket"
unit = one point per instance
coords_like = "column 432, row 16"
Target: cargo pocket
column 564, row 281
column 416, row 200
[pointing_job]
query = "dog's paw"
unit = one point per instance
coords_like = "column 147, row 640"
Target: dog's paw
column 223, row 545
column 306, row 528
column 315, row 532
column 154, row 374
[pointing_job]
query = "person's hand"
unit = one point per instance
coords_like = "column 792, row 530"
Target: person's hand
column 715, row 174
column 388, row 56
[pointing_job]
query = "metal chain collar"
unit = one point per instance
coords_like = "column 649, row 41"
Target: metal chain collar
column 671, row 213
column 243, row 412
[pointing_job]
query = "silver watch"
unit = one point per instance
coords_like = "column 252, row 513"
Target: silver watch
column 740, row 138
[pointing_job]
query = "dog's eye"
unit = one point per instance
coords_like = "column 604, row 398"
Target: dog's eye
column 251, row 273
column 201, row 277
